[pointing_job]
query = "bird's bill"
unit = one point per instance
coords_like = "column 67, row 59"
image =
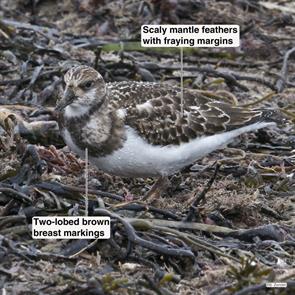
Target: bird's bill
column 66, row 100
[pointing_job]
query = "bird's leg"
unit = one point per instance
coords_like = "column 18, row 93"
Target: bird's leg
column 158, row 187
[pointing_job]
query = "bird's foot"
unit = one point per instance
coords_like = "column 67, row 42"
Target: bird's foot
column 161, row 184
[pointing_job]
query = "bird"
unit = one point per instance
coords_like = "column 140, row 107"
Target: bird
column 145, row 129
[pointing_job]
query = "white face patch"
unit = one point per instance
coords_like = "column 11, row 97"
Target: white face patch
column 91, row 94
column 75, row 110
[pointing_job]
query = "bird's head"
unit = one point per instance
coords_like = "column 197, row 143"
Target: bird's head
column 85, row 89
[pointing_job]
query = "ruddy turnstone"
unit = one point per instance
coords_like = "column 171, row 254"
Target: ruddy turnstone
column 137, row 129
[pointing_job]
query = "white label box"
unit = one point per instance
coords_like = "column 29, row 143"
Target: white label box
column 190, row 35
column 71, row 227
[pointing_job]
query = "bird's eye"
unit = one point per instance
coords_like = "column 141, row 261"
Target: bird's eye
column 87, row 85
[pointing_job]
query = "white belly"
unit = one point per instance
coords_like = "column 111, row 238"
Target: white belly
column 137, row 158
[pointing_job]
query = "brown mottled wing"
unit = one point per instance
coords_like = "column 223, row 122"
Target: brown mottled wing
column 154, row 110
